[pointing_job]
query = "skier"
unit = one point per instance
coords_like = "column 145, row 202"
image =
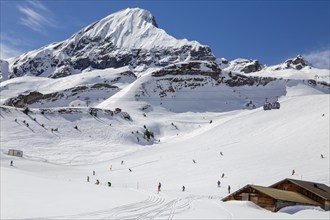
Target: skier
column 228, row 189
column 87, row 178
column 122, row 162
column 110, row 167
column 11, row 163
column 97, row 182
column 109, row 184
column 223, row 175
column 293, row 172
column 93, row 172
column 219, row 183
column 183, row 188
column 221, row 154
column 211, row 122
column 129, row 170
column 194, row 161
column 159, row 186
column 322, row 156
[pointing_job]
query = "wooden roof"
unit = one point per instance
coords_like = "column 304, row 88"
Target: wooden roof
column 278, row 195
column 285, row 195
column 319, row 189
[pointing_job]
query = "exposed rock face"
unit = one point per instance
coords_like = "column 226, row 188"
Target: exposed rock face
column 191, row 68
column 127, row 38
column 33, row 97
column 241, row 80
column 244, row 66
column 250, row 67
column 297, row 63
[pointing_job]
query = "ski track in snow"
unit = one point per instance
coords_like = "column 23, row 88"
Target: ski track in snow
column 154, row 207
column 231, row 216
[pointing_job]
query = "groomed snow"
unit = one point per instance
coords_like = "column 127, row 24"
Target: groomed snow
column 259, row 147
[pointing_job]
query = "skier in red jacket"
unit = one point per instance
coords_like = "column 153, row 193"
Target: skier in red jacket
column 159, row 185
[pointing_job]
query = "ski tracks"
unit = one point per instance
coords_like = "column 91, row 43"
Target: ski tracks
column 158, row 209
column 154, row 207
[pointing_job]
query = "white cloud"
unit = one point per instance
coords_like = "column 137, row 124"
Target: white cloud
column 7, row 51
column 36, row 16
column 319, row 58
column 38, row 4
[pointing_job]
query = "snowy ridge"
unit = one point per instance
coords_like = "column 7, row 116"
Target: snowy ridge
column 296, row 63
column 133, row 29
column 126, row 38
column 243, row 66
column 180, row 87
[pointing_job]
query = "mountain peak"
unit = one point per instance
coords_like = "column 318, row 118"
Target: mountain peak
column 129, row 37
column 296, row 63
column 132, row 28
column 135, row 13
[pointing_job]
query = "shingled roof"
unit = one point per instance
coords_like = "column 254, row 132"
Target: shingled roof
column 285, row 195
column 319, row 189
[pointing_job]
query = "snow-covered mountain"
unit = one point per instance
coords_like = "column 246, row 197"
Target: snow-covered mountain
column 297, row 63
column 123, row 98
column 129, row 37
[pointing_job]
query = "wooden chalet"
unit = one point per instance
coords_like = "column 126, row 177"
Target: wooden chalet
column 270, row 198
column 315, row 191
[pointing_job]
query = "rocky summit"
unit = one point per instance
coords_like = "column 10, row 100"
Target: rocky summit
column 129, row 37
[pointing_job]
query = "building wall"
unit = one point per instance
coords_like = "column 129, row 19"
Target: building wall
column 260, row 199
column 281, row 204
column 264, row 201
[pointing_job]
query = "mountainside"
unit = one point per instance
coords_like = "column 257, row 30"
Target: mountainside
column 124, row 99
column 259, row 147
column 126, row 38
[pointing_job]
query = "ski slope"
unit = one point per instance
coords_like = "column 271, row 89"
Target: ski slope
column 259, row 147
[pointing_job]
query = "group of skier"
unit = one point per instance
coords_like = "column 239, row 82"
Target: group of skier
column 160, row 185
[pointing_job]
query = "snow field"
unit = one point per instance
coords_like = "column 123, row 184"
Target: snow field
column 263, row 151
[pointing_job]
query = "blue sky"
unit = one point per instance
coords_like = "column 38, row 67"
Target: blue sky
column 270, row 31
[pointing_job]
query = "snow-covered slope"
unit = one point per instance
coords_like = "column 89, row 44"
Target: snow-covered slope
column 296, row 63
column 127, row 38
column 259, row 147
column 85, row 89
column 242, row 66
